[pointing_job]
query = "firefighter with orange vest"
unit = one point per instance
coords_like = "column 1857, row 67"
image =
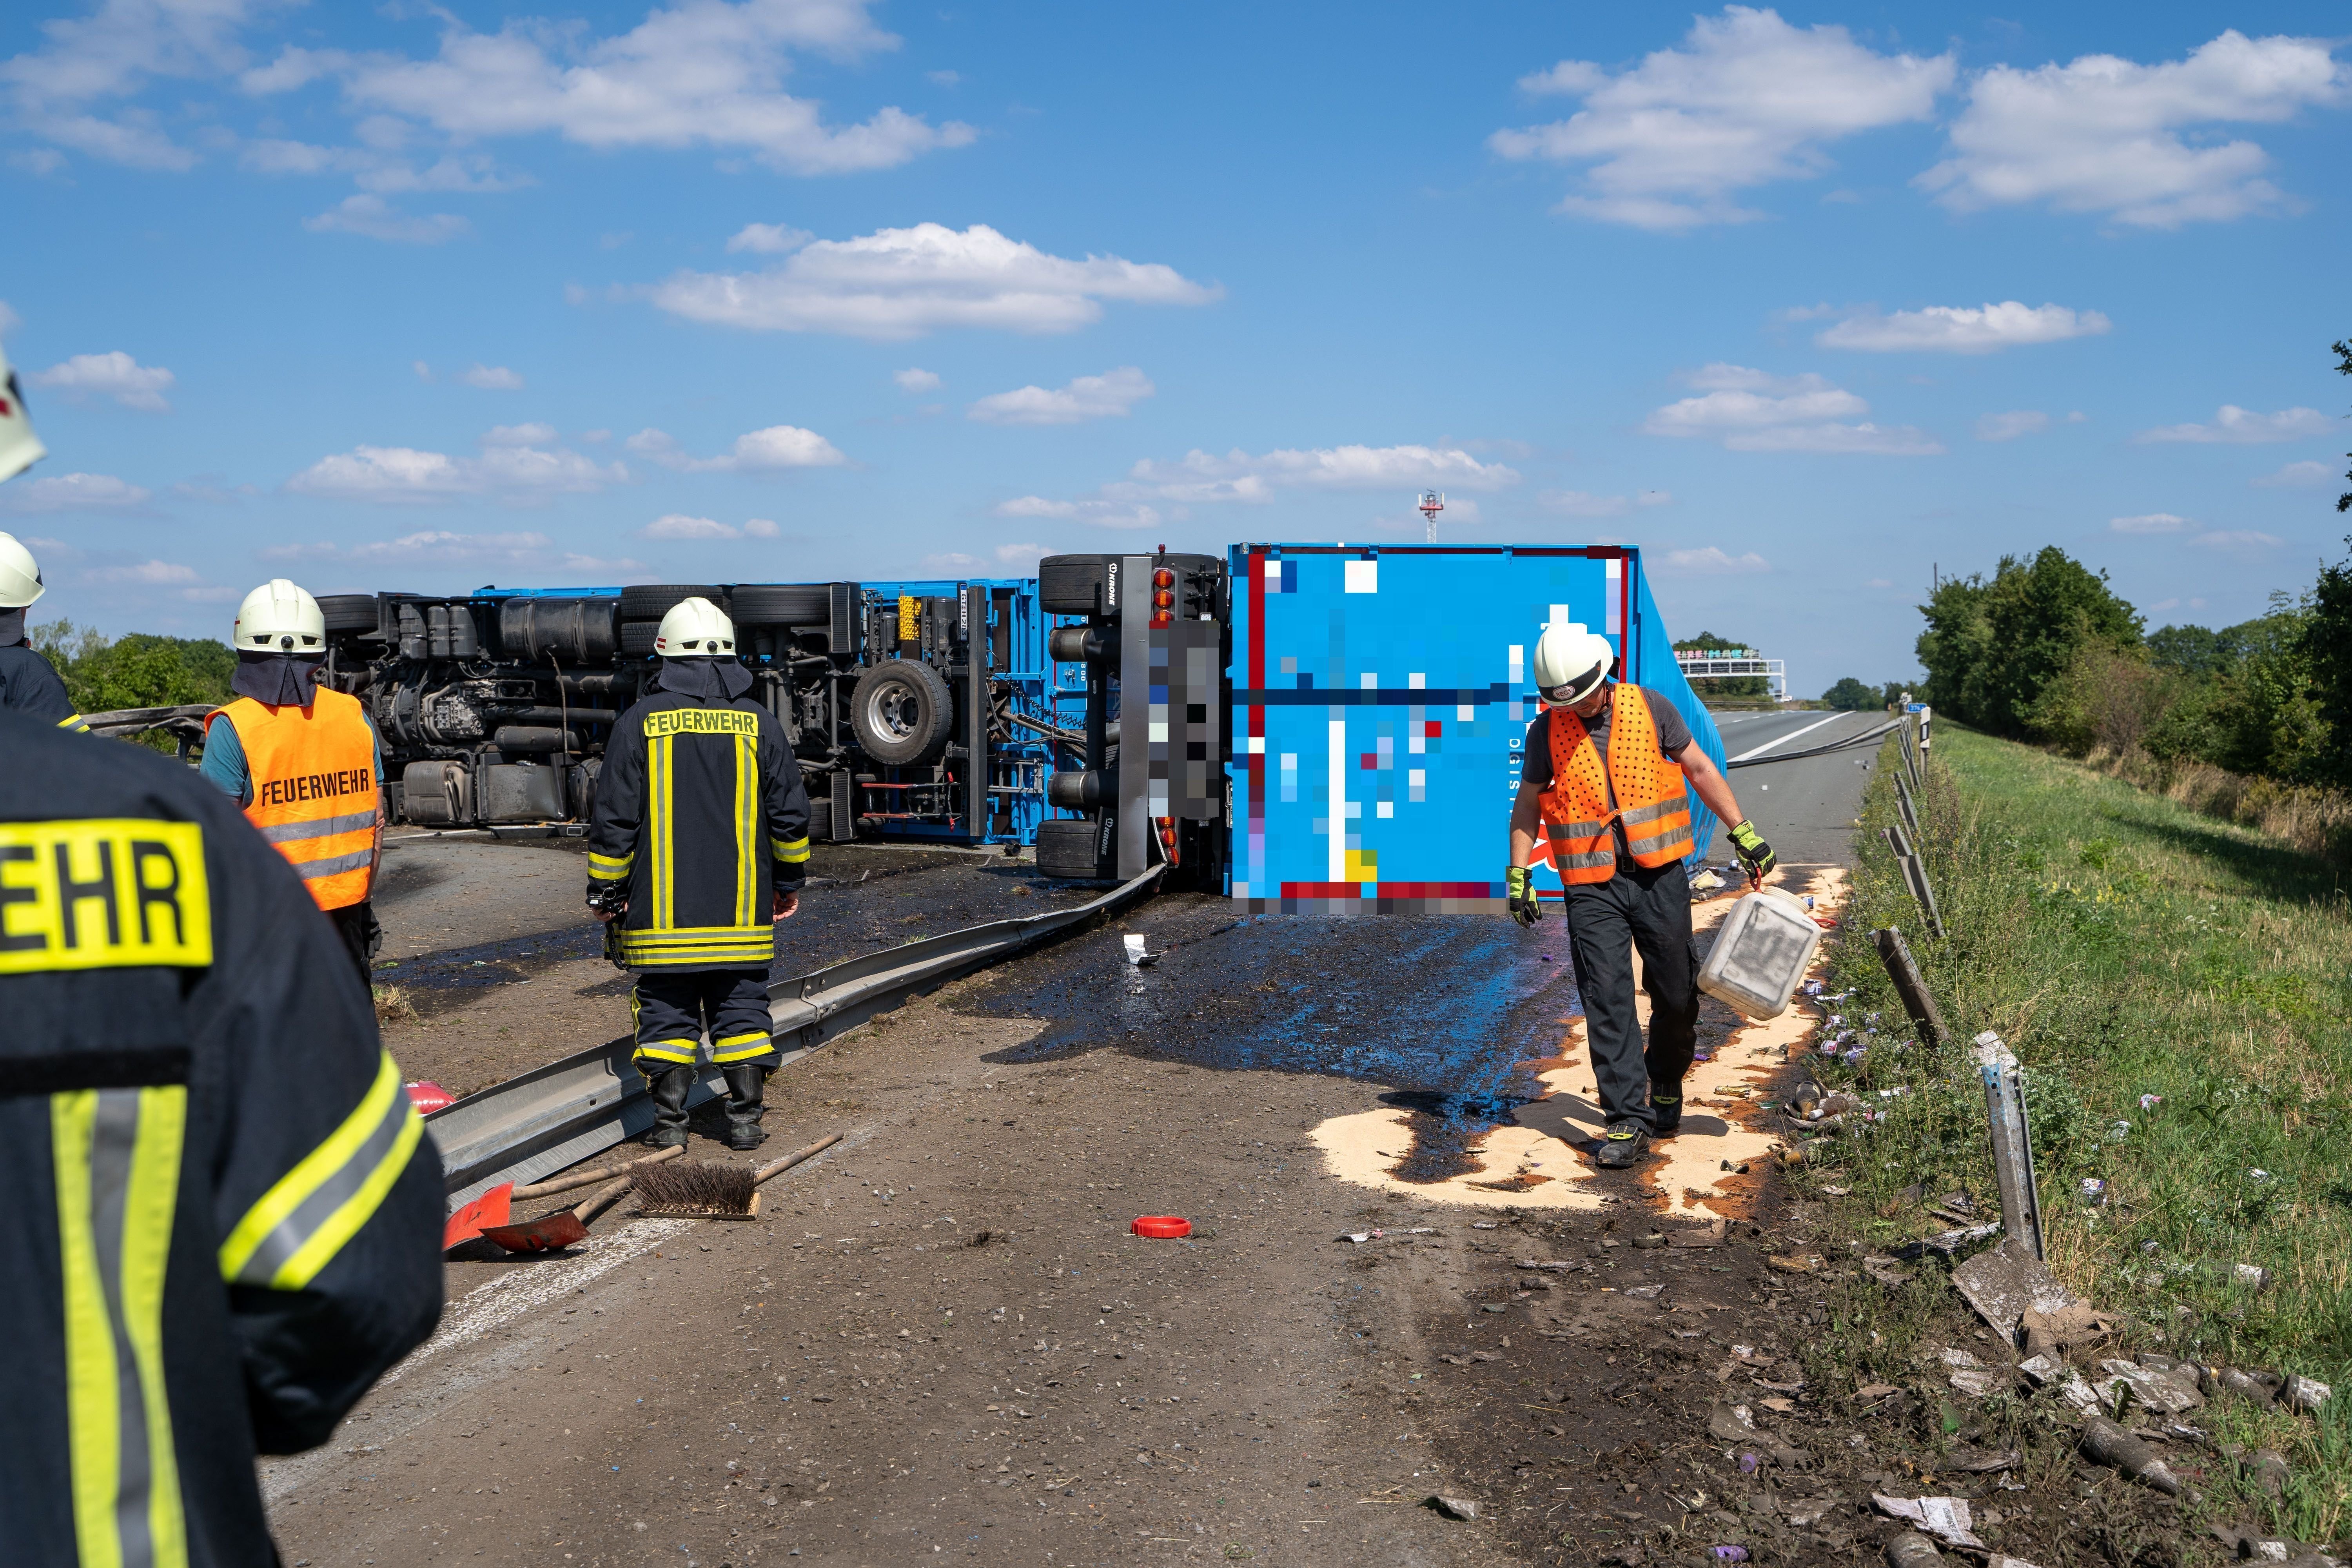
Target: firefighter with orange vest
column 303, row 761
column 1609, row 772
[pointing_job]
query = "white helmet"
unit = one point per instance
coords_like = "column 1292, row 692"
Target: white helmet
column 695, row 628
column 1569, row 663
column 279, row 618
column 19, row 448
column 20, row 574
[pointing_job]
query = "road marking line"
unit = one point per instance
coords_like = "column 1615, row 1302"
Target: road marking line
column 1779, row 739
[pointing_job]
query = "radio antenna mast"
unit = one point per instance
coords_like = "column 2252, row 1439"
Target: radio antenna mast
column 1431, row 502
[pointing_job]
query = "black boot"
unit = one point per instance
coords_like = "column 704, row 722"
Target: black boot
column 1666, row 1111
column 744, row 1086
column 670, row 1085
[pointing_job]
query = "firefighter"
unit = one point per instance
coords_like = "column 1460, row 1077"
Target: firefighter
column 698, row 846
column 223, row 1222
column 29, row 683
column 303, row 760
column 1609, row 771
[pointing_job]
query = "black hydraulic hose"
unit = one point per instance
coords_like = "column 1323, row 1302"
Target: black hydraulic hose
column 1846, row 744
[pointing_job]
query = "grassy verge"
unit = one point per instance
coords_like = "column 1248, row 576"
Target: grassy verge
column 2126, row 948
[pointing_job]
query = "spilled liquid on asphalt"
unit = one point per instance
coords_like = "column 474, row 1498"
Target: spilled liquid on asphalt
column 1450, row 1010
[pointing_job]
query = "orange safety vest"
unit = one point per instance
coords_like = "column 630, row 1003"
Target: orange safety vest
column 1652, row 799
column 314, row 795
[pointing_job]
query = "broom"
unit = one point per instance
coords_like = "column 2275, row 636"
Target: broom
column 704, row 1189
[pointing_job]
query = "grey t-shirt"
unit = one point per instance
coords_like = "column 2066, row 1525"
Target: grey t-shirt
column 1674, row 734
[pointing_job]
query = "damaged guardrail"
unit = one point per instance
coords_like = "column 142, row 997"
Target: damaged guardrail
column 557, row 1115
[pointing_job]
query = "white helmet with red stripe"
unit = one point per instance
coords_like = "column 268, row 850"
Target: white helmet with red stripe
column 1571, row 662
column 695, row 628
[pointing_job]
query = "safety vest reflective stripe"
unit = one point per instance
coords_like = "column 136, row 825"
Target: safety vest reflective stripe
column 303, row 1221
column 73, row 721
column 1652, row 799
column 747, row 829
column 314, row 789
column 116, row 1154
column 660, row 815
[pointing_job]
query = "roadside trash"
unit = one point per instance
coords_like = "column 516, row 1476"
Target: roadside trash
column 429, row 1097
column 2119, row 1131
column 1728, row 1553
column 2262, row 1387
column 2267, row 1469
column 2005, row 1283
column 2094, row 1190
column 1730, row 1423
column 1135, row 953
column 1643, row 1292
column 1358, row 1236
column 1885, row 1270
column 2251, row 1275
column 2043, row 1369
column 1944, row 1517
column 1913, row 1550
column 1452, row 1507
column 1482, row 1224
column 1751, row 1463
column 1761, row 953
column 2172, row 1390
column 2304, row 1393
column 2150, row 1101
column 1655, row 1238
column 2258, row 1175
column 1162, row 1227
column 2106, row 1443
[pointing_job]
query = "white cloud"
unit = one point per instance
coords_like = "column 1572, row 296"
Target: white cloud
column 1746, row 100
column 1113, row 393
column 2240, row 539
column 373, row 217
column 9, row 320
column 517, row 465
column 1963, row 330
column 2138, row 143
column 1579, row 503
column 1878, row 582
column 73, row 492
column 1100, row 511
column 2238, row 426
column 768, row 238
column 150, row 574
column 2148, row 523
column 2296, row 475
column 114, row 374
column 904, row 282
column 1241, row 476
column 1713, row 561
column 2009, row 426
column 917, row 380
column 678, row 525
column 943, row 78
column 758, row 451
column 493, row 378
column 704, row 74
column 105, row 59
column 424, row 372
column 1753, row 411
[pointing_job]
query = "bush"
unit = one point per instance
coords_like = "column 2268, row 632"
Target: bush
column 1852, row 695
column 139, row 670
column 1991, row 648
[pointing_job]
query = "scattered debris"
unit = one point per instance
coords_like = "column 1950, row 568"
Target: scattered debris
column 1885, row 1270
column 2106, row 1443
column 1135, row 956
column 2306, row 1394
column 2169, row 1388
column 1730, row 1423
column 1912, row 1550
column 1944, row 1517
column 1460, row 1508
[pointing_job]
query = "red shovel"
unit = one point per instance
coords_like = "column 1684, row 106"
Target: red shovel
column 489, row 1210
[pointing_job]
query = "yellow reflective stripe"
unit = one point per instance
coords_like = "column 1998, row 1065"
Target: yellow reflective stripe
column 102, row 893
column 747, row 829
column 609, row 868
column 303, row 1221
column 741, row 1046
column 115, row 1155
column 73, row 721
column 790, row 851
column 657, row 826
column 670, row 1050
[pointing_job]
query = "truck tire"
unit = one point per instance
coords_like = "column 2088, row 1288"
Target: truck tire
column 652, row 600
column 349, row 612
column 782, row 604
column 637, row 638
column 1069, row 849
column 1073, row 585
column 902, row 712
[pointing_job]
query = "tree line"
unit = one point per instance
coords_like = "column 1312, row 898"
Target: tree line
column 140, row 670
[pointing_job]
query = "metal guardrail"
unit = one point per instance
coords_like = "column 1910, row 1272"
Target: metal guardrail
column 186, row 721
column 555, row 1116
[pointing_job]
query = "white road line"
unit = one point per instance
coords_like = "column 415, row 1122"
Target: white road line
column 1780, row 740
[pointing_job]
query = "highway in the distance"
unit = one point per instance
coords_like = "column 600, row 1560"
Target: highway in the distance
column 1804, row 809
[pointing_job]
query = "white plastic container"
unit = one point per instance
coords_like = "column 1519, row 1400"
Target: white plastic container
column 1760, row 954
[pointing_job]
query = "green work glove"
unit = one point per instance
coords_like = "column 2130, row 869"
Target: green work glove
column 1754, row 853
column 1519, row 896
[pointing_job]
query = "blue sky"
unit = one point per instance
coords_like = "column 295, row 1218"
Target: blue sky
column 1808, row 303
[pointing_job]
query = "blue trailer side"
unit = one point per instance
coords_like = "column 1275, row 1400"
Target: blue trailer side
column 1381, row 697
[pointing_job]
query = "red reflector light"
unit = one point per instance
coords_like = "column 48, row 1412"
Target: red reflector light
column 1164, row 578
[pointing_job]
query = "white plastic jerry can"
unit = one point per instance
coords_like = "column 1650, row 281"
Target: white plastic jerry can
column 1760, row 954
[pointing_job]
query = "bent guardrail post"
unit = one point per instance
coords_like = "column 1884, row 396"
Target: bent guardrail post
column 2012, row 1142
column 1915, row 877
column 555, row 1116
column 1904, row 804
column 1918, row 1001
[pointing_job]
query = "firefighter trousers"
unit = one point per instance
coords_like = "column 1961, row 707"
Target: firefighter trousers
column 1646, row 911
column 674, row 1007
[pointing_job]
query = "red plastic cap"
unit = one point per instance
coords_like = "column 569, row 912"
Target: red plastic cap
column 1166, row 1227
column 429, row 1097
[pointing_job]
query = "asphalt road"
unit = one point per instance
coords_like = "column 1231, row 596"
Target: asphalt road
column 1804, row 809
column 941, row 1340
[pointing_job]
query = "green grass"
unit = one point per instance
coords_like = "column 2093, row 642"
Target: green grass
column 2123, row 946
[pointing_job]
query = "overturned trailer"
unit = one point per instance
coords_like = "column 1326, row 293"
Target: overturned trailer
column 1324, row 728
